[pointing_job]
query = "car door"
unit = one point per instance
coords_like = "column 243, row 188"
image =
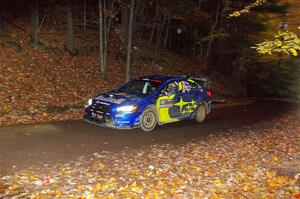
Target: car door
column 165, row 103
column 184, row 100
column 176, row 103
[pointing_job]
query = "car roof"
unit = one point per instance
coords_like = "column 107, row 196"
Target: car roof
column 163, row 78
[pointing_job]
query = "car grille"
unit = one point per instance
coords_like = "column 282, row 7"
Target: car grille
column 101, row 108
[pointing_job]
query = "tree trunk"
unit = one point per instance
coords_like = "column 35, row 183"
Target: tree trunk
column 154, row 24
column 191, row 42
column 139, row 23
column 107, row 27
column 212, row 30
column 158, row 40
column 200, row 2
column 134, row 22
column 167, row 32
column 84, row 19
column 129, row 41
column 124, row 21
column 101, row 39
column 3, row 18
column 105, row 33
column 35, row 22
column 70, row 46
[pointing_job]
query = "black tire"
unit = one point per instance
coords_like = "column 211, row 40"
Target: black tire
column 200, row 113
column 148, row 119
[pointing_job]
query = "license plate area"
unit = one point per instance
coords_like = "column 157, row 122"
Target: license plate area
column 99, row 117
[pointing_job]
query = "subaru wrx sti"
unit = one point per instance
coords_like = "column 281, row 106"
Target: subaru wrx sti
column 150, row 101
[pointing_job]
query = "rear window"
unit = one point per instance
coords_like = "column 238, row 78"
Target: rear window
column 201, row 82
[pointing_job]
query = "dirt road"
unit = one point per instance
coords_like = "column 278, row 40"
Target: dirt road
column 34, row 145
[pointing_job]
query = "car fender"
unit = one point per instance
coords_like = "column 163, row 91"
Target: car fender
column 207, row 106
column 151, row 106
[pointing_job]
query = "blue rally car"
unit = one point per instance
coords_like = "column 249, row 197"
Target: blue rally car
column 151, row 100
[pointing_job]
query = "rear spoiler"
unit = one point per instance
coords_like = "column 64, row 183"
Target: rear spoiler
column 202, row 80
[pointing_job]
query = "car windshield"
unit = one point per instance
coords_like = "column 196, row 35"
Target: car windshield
column 140, row 87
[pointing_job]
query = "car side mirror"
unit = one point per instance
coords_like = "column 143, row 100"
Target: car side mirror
column 163, row 93
column 168, row 94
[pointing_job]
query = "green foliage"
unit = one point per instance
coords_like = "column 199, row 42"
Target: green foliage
column 247, row 8
column 275, row 79
column 275, row 76
column 232, row 55
column 284, row 42
column 41, row 46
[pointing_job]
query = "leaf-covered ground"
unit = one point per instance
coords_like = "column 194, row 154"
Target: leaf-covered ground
column 258, row 161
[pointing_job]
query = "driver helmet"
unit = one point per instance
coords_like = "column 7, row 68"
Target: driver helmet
column 172, row 88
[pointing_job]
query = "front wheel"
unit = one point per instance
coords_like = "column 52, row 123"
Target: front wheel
column 148, row 120
column 200, row 113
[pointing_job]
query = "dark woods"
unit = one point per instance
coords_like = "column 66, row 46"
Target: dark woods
column 197, row 29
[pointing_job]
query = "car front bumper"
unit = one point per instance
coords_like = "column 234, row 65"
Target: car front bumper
column 108, row 122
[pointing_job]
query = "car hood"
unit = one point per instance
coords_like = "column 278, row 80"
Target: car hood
column 117, row 98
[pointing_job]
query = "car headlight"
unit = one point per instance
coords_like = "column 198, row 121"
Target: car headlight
column 127, row 109
column 88, row 103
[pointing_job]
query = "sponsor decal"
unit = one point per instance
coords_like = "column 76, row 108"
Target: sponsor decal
column 104, row 103
column 166, row 103
column 132, row 97
column 123, row 122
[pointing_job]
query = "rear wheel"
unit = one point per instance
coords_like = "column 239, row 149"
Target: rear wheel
column 148, row 120
column 200, row 113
